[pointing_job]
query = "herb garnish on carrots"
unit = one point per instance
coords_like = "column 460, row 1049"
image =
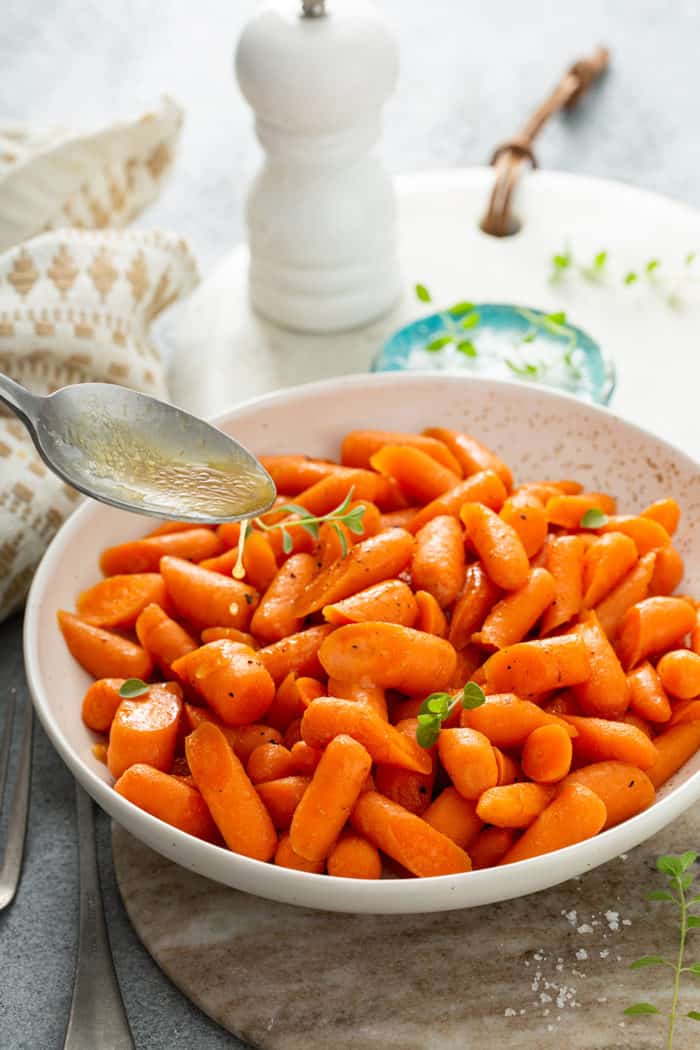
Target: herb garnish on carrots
column 438, row 707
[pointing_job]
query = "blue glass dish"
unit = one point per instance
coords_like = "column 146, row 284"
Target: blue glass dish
column 505, row 342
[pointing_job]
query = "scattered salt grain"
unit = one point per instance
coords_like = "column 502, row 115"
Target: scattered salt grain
column 571, row 916
column 581, row 954
column 613, row 918
column 510, row 1012
column 626, row 922
column 605, row 953
column 584, row 928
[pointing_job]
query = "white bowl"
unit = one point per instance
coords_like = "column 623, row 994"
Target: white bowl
column 541, row 434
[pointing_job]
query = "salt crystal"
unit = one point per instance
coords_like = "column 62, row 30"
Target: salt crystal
column 538, row 956
column 510, row 1012
column 545, row 1013
column 585, row 928
column 613, row 918
column 581, row 954
column 626, row 922
column 550, row 1027
column 605, row 953
column 545, row 998
column 559, row 967
column 571, row 916
column 602, row 999
column 624, row 856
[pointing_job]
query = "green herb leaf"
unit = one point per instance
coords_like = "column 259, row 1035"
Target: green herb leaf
column 426, row 735
column 652, row 265
column 600, row 260
column 558, row 318
column 631, row 277
column 132, row 688
column 355, row 520
column 460, row 309
column 694, row 900
column 660, row 895
column 694, row 1015
column 311, row 527
column 522, row 370
column 690, row 258
column 465, row 346
column 335, row 525
column 688, row 859
column 473, row 696
column 670, row 865
column 693, row 922
column 641, row 1008
column 437, row 344
column 287, row 542
column 562, row 260
column 593, row 518
column 530, row 336
column 292, row 508
column 434, row 702
column 423, row 294
column 647, row 960
column 471, row 320
column 694, row 969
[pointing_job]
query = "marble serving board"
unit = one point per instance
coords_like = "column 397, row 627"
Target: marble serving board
column 546, row 971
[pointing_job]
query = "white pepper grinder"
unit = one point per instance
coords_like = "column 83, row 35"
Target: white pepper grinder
column 321, row 213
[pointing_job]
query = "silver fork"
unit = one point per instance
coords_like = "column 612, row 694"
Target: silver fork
column 17, row 825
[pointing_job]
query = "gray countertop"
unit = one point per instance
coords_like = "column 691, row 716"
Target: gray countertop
column 469, row 74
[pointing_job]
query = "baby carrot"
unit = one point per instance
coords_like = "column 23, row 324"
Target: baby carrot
column 624, row 789
column 653, row 625
column 397, row 519
column 406, row 838
column 287, row 857
column 526, row 514
column 326, row 805
column 431, row 618
column 169, row 799
column 144, row 555
column 411, row 790
column 208, row 599
column 679, row 672
column 564, row 561
column 508, row 769
column 102, row 653
column 304, row 758
column 478, row 596
column 485, row 487
column 327, row 494
column 353, row 857
column 490, row 846
column 646, row 533
column 118, row 600
column 389, row 655
column 468, row 666
column 163, row 638
column 364, row 693
column 359, row 446
column 647, row 696
column 498, row 545
column 547, row 754
column 241, row 739
column 329, row 716
column 513, row 617
column 471, row 454
column 600, row 739
column 666, row 512
column 100, row 703
column 536, row 667
column 420, row 477
column 685, row 711
column 454, row 816
column 668, row 571
column 437, row 565
column 468, row 757
column 215, row 634
column 233, row 802
column 390, row 601
column 145, row 730
column 575, row 814
column 514, row 805
column 166, row 527
column 270, row 762
column 297, row 652
column 231, row 678
column 567, row 511
column 274, row 617
column 632, row 588
column 606, row 691
column 606, row 562
column 674, row 747
column 281, row 798
column 507, row 720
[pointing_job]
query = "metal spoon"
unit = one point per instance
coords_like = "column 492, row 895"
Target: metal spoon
column 140, row 454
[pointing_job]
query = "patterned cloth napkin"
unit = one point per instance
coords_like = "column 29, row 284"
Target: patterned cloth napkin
column 76, row 299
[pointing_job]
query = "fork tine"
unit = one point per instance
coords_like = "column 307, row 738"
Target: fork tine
column 17, row 826
column 6, row 742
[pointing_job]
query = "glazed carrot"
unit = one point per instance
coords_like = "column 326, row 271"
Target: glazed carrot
column 223, row 563
column 309, row 689
column 304, row 758
column 326, row 805
column 508, row 769
column 274, row 617
column 174, row 526
column 372, row 695
column 666, row 512
column 241, row 739
column 624, row 789
column 469, row 662
column 378, row 558
column 490, row 846
column 646, row 533
column 353, row 857
column 526, row 514
column 270, row 762
column 454, row 816
column 330, row 547
column 575, row 814
column 292, row 734
column 632, row 588
column 564, row 561
column 215, row 634
column 606, row 562
column 668, row 571
column 229, row 533
column 411, row 790
column 674, row 747
column 653, row 625
column 390, row 601
column 695, row 635
column 507, row 720
column 258, row 561
column 144, row 555
column 145, row 731
column 359, row 446
column 606, row 691
column 100, row 703
column 478, row 596
column 468, row 757
column 515, row 805
column 118, row 600
column 437, row 565
column 647, row 696
column 562, row 704
column 471, row 454
column 398, row 519
column 163, row 638
column 207, row 598
column 287, row 857
column 231, row 678
column 102, row 653
column 600, row 739
column 565, row 485
column 167, row 798
column 371, row 519
column 567, row 511
column 293, row 474
column 513, row 617
column 679, row 672
column 233, row 802
column 547, row 754
column 406, row 838
column 485, row 487
column 329, row 493
column 430, row 617
column 420, row 477
column 328, row 717
column 498, row 545
column 281, row 798
column 389, row 655
column 297, row 652
column 302, row 542
column 536, row 667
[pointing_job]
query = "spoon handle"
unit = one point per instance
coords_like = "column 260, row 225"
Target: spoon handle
column 19, row 399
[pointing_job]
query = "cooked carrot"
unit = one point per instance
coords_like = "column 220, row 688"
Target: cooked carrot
column 513, row 617
column 564, row 561
column 420, row 477
column 233, row 802
column 646, row 533
column 666, row 512
column 695, row 635
column 302, row 542
column 653, row 625
column 207, row 598
column 437, row 565
column 468, row 666
column 167, row 798
column 275, row 617
column 507, row 720
column 174, row 526
column 118, row 600
column 297, row 652
column 229, row 534
column 163, row 638
column 231, row 678
column 498, row 545
column 293, row 474
column 668, row 571
column 326, row 805
column 606, row 692
column 281, row 798
column 144, row 555
column 100, row 703
column 685, row 711
column 526, row 514
column 145, row 731
column 575, row 814
column 471, row 454
column 359, row 446
column 631, row 719
column 547, row 754
column 514, row 805
column 378, row 558
column 567, row 511
column 390, row 601
column 287, row 857
column 215, row 634
column 624, row 789
column 431, row 618
column 536, row 667
column 241, row 739
column 485, row 487
column 329, row 716
column 398, row 519
column 406, row 838
column 325, row 495
column 411, row 790
column 353, row 857
column 632, row 588
column 309, row 690
column 490, row 846
column 365, row 693
column 563, row 703
column 508, row 769
column 647, row 696
column 679, row 672
column 270, row 762
column 102, row 653
column 600, row 739
column 334, row 541
column 478, row 596
column 606, row 562
column 468, row 757
column 674, row 747
column 454, row 816
column 258, row 561
column 304, row 758
column 389, row 655
column 223, row 563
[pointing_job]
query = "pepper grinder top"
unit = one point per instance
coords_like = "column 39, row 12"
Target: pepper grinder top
column 321, row 212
